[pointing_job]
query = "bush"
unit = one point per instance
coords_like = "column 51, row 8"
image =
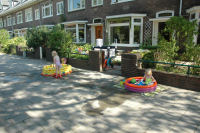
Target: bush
column 4, row 38
column 149, row 57
column 37, row 37
column 60, row 41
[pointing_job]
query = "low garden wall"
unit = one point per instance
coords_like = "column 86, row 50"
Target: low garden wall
column 129, row 68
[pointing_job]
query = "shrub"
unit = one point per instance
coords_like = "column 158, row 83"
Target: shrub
column 149, row 57
column 60, row 41
column 37, row 37
column 4, row 37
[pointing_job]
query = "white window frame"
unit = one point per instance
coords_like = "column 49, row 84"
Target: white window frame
column 28, row 13
column 9, row 20
column 97, row 3
column 19, row 14
column 77, row 32
column 13, row 20
column 73, row 9
column 132, row 24
column 119, row 1
column 165, row 11
column 60, row 8
column 44, row 12
column 1, row 23
column 37, row 14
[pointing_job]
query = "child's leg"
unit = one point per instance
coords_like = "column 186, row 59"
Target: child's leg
column 56, row 71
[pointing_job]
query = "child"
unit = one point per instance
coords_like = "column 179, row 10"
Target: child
column 148, row 78
column 56, row 60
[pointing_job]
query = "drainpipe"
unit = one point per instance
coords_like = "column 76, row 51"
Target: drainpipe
column 180, row 10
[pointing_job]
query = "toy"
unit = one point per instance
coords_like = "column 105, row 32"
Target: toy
column 133, row 81
column 122, row 82
column 140, row 87
column 49, row 70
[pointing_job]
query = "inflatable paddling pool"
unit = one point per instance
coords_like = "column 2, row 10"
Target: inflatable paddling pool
column 139, row 88
column 50, row 70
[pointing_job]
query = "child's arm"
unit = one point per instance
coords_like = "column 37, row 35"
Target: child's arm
column 153, row 79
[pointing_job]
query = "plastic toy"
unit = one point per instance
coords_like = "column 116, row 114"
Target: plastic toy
column 122, row 82
column 49, row 70
column 133, row 81
column 140, row 87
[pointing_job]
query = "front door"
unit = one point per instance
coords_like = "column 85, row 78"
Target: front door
column 99, row 32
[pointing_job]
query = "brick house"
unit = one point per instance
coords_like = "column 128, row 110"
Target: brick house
column 123, row 23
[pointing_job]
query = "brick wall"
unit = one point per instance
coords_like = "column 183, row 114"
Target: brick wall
column 130, row 69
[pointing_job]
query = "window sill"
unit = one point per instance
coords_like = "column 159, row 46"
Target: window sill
column 47, row 16
column 59, row 14
column 76, row 10
column 120, row 2
column 126, row 45
column 97, row 5
column 37, row 19
column 28, row 20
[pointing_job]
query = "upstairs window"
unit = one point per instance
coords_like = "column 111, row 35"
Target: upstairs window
column 13, row 21
column 119, row 1
column 28, row 15
column 1, row 23
column 47, row 10
column 60, row 8
column 97, row 2
column 76, row 5
column 9, row 21
column 166, row 13
column 19, row 18
column 37, row 14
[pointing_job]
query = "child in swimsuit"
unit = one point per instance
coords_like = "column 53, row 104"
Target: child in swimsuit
column 148, row 78
column 56, row 60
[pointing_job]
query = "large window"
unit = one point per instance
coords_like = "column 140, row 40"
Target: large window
column 123, row 31
column 97, row 2
column 119, row 1
column 60, row 8
column 19, row 18
column 47, row 10
column 76, row 5
column 37, row 14
column 78, row 32
column 28, row 15
column 1, row 23
column 9, row 20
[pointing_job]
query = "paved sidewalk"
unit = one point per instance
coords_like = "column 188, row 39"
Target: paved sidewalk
column 87, row 102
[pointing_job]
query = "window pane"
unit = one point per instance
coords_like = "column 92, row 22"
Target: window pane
column 165, row 15
column 137, row 34
column 120, row 34
column 76, row 4
column 122, row 20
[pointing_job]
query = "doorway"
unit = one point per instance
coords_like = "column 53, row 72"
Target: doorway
column 99, row 32
column 161, row 30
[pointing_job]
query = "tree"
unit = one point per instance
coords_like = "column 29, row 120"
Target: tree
column 4, row 37
column 182, row 31
column 60, row 41
column 37, row 37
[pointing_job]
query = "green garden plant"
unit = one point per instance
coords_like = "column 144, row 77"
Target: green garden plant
column 37, row 37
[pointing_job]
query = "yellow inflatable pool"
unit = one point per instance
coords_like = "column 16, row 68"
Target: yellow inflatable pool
column 50, row 70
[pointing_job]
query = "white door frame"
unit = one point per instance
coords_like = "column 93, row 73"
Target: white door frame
column 155, row 31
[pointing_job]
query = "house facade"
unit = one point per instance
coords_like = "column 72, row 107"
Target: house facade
column 123, row 23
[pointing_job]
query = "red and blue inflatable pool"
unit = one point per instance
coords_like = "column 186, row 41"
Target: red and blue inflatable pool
column 139, row 88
